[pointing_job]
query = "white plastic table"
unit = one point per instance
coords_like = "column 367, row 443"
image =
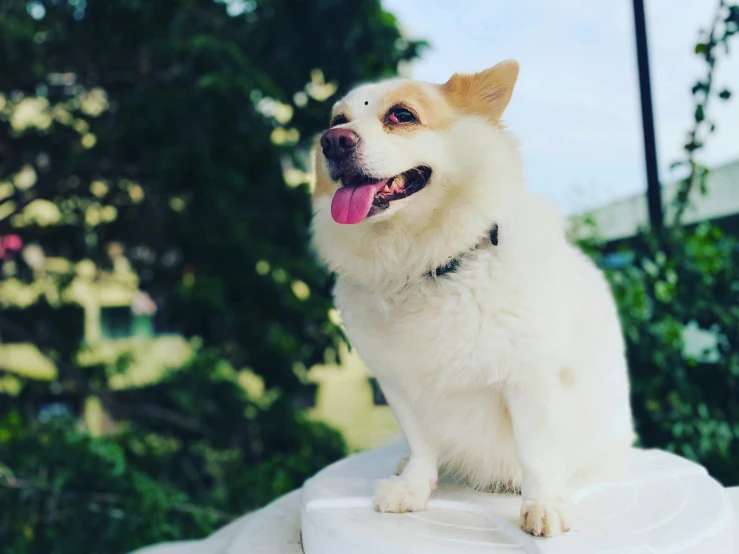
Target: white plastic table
column 665, row 505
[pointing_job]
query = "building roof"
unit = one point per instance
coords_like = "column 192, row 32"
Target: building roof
column 624, row 218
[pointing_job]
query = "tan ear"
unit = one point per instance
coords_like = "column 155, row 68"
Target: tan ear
column 486, row 93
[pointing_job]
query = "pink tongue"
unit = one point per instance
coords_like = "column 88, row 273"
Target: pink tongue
column 352, row 204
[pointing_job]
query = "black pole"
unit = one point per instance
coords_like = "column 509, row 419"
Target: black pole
column 654, row 194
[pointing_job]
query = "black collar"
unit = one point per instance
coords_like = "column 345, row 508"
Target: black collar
column 453, row 264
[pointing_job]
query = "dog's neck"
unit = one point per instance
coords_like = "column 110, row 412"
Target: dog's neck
column 452, row 265
column 391, row 254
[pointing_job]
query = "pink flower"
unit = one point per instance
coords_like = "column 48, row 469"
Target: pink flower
column 10, row 243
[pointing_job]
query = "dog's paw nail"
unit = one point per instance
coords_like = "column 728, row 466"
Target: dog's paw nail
column 543, row 519
column 398, row 496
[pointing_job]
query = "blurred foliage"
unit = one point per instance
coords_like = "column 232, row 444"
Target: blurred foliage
column 683, row 400
column 176, row 131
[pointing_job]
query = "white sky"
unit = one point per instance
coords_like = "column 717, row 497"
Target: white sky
column 576, row 108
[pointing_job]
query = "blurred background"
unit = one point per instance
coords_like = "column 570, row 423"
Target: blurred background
column 169, row 355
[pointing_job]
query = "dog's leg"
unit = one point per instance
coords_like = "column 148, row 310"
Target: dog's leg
column 401, row 465
column 410, row 491
column 539, row 451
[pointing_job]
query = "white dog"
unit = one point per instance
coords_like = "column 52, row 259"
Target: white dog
column 497, row 343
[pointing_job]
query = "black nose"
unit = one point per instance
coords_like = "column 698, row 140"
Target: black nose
column 338, row 144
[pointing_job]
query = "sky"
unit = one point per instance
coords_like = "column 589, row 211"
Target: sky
column 576, row 109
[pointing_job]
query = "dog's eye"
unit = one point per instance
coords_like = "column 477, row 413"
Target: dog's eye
column 399, row 115
column 339, row 120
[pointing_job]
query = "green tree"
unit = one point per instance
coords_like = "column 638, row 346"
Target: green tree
column 177, row 130
column 684, row 400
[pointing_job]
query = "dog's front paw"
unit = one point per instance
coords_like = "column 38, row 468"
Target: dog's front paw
column 545, row 519
column 398, row 495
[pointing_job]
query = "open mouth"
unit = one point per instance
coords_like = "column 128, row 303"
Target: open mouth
column 361, row 196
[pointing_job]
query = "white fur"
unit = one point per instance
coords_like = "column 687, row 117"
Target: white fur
column 511, row 371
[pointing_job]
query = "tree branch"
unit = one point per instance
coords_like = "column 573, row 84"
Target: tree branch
column 702, row 123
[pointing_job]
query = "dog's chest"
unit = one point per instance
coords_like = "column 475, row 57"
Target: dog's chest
column 453, row 331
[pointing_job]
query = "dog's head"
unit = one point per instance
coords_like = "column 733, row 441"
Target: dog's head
column 402, row 148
